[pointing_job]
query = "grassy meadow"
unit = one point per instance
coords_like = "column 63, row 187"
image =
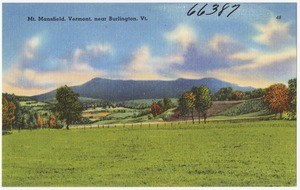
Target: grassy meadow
column 255, row 153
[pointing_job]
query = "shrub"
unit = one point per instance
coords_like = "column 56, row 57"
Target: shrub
column 288, row 115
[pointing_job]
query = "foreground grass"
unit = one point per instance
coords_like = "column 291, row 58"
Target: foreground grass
column 261, row 153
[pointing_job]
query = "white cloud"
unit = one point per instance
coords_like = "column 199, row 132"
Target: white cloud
column 31, row 47
column 261, row 59
column 218, row 41
column 144, row 66
column 274, row 34
column 91, row 51
column 183, row 35
column 69, row 77
column 24, row 79
column 223, row 57
column 253, row 78
column 98, row 49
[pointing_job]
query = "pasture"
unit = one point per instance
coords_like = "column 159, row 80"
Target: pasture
column 255, row 153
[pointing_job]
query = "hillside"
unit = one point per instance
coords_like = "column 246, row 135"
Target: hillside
column 122, row 90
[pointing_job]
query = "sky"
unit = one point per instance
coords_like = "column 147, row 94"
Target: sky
column 254, row 46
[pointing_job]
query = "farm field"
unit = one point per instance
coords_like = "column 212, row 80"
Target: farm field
column 256, row 153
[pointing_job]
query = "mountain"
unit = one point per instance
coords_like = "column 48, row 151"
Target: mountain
column 121, row 90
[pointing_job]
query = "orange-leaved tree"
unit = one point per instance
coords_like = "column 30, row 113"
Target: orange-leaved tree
column 52, row 121
column 40, row 121
column 8, row 113
column 278, row 99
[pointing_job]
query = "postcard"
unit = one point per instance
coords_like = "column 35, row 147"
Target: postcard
column 141, row 94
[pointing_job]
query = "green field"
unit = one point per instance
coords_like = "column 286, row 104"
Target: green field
column 256, row 153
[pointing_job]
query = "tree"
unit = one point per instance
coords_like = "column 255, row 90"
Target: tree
column 187, row 104
column 4, row 112
column 277, row 98
column 257, row 93
column 17, row 121
column 155, row 109
column 224, row 94
column 52, row 121
column 32, row 120
column 39, row 121
column 238, row 95
column 205, row 101
column 161, row 104
column 8, row 113
column 68, row 106
column 197, row 94
column 293, row 94
column 168, row 103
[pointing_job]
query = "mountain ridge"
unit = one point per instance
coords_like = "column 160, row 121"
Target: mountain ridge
column 122, row 90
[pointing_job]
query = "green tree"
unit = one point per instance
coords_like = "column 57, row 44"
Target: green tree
column 32, row 120
column 168, row 103
column 161, row 104
column 257, row 93
column 293, row 94
column 68, row 106
column 291, row 114
column 197, row 94
column 224, row 94
column 187, row 104
column 205, row 101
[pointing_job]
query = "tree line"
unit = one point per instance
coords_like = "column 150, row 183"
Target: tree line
column 18, row 117
column 227, row 94
column 198, row 98
column 279, row 98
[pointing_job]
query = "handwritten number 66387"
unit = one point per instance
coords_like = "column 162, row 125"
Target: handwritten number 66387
column 214, row 9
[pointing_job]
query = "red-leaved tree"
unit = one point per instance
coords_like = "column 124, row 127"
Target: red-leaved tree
column 278, row 99
column 155, row 109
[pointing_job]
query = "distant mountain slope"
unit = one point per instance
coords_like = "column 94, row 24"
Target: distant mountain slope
column 121, row 90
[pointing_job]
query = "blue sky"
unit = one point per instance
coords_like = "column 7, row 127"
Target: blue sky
column 249, row 48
